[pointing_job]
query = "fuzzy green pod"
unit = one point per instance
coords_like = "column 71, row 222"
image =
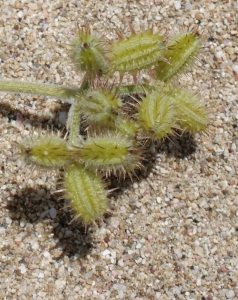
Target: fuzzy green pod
column 156, row 115
column 136, row 52
column 100, row 107
column 111, row 153
column 49, row 151
column 86, row 193
column 88, row 53
column 192, row 115
column 180, row 51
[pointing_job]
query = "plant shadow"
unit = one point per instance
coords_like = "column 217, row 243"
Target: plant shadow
column 40, row 121
column 72, row 238
column 179, row 147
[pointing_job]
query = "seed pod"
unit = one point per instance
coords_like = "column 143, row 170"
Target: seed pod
column 48, row 150
column 192, row 115
column 138, row 51
column 100, row 107
column 88, row 53
column 86, row 193
column 180, row 51
column 111, row 153
column 156, row 115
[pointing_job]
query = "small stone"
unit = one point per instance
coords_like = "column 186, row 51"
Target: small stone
column 53, row 213
column 22, row 268
column 218, row 122
column 33, row 6
column 88, row 275
column 177, row 290
column 120, row 263
column 20, row 14
column 114, row 273
column 230, row 294
column 211, row 6
column 135, row 185
column 63, row 117
column 178, row 253
column 106, row 252
column 163, row 171
column 68, row 233
column 230, row 50
column 235, row 68
column 121, row 287
column 114, row 19
column 228, row 168
column 177, row 5
column 46, row 254
column 40, row 182
column 223, row 269
column 198, row 15
column 132, row 201
column 8, row 220
column 202, row 203
column 59, row 284
column 188, row 5
column 23, row 223
column 41, row 275
column 198, row 282
column 35, row 245
column 44, row 213
column 158, row 200
column 199, row 251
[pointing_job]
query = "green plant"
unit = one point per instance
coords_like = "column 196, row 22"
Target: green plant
column 112, row 131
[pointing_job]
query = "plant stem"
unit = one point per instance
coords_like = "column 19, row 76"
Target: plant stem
column 73, row 123
column 39, row 89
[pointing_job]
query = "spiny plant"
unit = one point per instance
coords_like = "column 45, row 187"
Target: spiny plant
column 108, row 122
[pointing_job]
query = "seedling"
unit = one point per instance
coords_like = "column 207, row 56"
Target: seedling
column 105, row 136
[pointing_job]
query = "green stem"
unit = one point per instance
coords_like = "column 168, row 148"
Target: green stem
column 39, row 89
column 73, row 123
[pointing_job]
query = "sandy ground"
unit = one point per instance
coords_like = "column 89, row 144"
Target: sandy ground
column 173, row 233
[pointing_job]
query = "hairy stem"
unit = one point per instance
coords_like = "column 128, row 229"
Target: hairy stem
column 73, row 123
column 39, row 89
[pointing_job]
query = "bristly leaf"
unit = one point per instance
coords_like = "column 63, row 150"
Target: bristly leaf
column 88, row 53
column 156, row 115
column 49, row 151
column 86, row 193
column 100, row 107
column 136, row 52
column 126, row 126
column 192, row 115
column 180, row 51
column 111, row 153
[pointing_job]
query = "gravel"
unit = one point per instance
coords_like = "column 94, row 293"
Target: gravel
column 172, row 233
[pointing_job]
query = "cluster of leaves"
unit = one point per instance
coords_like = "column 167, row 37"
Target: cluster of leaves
column 113, row 134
